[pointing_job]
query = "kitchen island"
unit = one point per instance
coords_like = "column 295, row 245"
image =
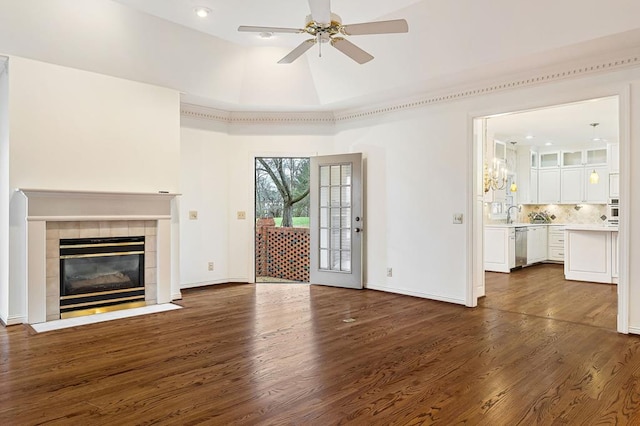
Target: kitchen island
column 591, row 253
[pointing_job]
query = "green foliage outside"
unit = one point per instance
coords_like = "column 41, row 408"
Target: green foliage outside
column 282, row 189
column 298, row 222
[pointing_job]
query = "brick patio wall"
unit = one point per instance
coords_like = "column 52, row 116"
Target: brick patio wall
column 282, row 252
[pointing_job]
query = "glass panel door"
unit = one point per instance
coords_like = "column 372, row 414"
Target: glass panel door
column 336, row 220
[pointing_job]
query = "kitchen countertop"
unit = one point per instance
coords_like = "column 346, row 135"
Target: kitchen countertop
column 595, row 228
column 567, row 226
column 520, row 225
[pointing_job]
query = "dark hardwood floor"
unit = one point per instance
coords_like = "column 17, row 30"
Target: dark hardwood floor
column 274, row 354
column 542, row 291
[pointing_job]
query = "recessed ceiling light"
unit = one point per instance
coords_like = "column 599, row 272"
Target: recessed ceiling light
column 202, row 11
column 529, row 137
column 549, row 143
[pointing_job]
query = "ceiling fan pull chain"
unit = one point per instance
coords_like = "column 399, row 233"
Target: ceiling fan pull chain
column 319, row 46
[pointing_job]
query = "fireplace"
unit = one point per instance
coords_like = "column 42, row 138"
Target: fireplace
column 101, row 274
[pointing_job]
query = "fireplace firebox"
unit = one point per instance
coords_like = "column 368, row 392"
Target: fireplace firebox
column 101, row 274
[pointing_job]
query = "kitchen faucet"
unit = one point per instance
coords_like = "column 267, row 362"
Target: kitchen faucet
column 509, row 212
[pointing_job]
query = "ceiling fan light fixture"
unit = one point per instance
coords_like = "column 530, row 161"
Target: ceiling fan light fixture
column 326, row 27
column 202, row 12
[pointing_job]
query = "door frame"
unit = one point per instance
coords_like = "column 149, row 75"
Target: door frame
column 251, row 214
column 475, row 247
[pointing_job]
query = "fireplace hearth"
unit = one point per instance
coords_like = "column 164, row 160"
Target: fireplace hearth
column 101, row 274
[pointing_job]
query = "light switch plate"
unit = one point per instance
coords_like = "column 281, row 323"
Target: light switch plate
column 242, row 215
column 193, row 214
column 457, row 218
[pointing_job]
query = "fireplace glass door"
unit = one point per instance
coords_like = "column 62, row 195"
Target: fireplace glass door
column 99, row 272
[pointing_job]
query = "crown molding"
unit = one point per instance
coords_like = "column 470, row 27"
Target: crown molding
column 251, row 117
column 540, row 76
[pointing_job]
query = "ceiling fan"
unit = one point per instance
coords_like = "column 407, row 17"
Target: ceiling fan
column 327, row 27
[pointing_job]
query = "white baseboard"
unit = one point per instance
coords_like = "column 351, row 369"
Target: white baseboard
column 213, row 282
column 415, row 294
column 634, row 330
column 16, row 320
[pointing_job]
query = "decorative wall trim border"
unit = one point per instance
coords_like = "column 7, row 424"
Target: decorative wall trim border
column 249, row 117
column 556, row 73
column 573, row 72
column 204, row 113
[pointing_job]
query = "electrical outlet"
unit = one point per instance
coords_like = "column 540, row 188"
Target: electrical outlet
column 457, row 218
column 242, row 215
column 389, row 272
column 193, row 214
column 210, row 266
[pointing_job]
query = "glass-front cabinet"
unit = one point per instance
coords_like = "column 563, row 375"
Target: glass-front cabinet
column 549, row 159
column 595, row 157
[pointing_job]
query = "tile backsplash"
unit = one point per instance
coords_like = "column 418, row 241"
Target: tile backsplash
column 564, row 213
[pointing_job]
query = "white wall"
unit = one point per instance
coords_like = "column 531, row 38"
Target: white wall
column 418, row 171
column 417, row 174
column 73, row 129
column 205, row 189
column 77, row 130
column 217, row 180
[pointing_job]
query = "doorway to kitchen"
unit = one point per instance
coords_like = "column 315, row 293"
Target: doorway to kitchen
column 282, row 240
column 553, row 172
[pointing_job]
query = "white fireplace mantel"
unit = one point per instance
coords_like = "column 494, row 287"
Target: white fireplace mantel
column 39, row 206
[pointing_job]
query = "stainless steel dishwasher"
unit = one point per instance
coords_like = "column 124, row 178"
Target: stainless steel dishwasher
column 521, row 246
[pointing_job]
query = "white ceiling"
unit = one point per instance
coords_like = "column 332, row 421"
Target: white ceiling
column 561, row 125
column 227, row 15
column 449, row 44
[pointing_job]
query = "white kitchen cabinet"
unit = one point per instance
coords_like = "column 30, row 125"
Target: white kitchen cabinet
column 533, row 188
column 572, row 158
column 588, row 254
column 596, row 193
column 549, row 159
column 549, row 186
column 536, row 244
column 527, row 170
column 576, row 186
column 596, row 157
column 614, row 185
column 613, row 157
column 499, row 248
column 555, row 243
column 572, row 185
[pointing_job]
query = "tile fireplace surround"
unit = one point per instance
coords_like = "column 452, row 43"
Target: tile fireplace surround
column 52, row 215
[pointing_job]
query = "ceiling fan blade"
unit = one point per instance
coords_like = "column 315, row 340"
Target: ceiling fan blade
column 320, row 11
column 380, row 27
column 250, row 29
column 351, row 50
column 298, row 51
